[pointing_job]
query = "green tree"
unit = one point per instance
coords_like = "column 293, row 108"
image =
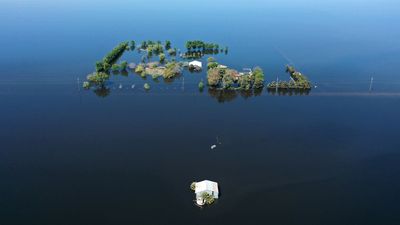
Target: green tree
column 258, row 78
column 201, row 85
column 115, row 67
column 139, row 68
column 167, row 45
column 99, row 66
column 162, row 58
column 123, row 65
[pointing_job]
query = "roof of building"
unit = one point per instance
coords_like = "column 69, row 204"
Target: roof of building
column 196, row 63
column 206, row 185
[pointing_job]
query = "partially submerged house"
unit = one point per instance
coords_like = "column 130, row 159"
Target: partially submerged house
column 196, row 63
column 203, row 188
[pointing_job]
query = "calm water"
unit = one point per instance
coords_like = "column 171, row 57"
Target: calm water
column 69, row 156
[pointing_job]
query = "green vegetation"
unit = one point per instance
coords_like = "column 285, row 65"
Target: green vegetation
column 167, row 45
column 115, row 67
column 298, row 81
column 139, row 68
column 98, row 78
column 172, row 51
column 162, row 58
column 193, row 186
column 258, row 78
column 228, row 79
column 172, row 69
column 201, row 85
column 212, row 65
column 208, row 199
column 86, row 85
column 111, row 58
column 124, row 65
column 197, row 49
column 146, row 86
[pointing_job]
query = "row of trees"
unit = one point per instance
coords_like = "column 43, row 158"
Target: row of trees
column 200, row 45
column 111, row 57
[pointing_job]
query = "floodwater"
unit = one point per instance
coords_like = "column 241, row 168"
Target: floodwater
column 127, row 156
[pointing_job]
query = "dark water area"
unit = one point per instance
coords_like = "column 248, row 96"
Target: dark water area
column 69, row 156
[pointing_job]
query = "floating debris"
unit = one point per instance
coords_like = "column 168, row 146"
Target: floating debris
column 213, row 146
column 133, row 86
column 120, row 86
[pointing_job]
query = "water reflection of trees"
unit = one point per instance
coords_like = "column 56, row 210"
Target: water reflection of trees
column 102, row 91
column 288, row 92
column 222, row 95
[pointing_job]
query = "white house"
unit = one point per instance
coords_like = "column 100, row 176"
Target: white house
column 208, row 187
column 196, row 63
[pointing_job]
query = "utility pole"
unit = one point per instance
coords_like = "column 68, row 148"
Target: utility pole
column 183, row 83
column 370, row 84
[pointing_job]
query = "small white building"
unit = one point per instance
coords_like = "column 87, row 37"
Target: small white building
column 208, row 187
column 196, row 63
column 222, row 67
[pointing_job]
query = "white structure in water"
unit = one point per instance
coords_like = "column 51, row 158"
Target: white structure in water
column 196, row 63
column 208, row 187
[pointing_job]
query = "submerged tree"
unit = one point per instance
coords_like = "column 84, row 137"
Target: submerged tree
column 162, row 58
column 123, row 65
column 167, row 45
column 258, row 78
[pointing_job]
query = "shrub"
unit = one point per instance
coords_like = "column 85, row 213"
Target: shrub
column 123, row 65
column 167, row 45
column 115, row 67
column 162, row 57
column 86, row 85
column 201, row 85
column 193, row 186
column 212, row 65
column 98, row 78
column 139, row 68
column 172, row 69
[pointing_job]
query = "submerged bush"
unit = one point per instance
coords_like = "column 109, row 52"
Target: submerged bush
column 115, row 67
column 123, row 65
column 172, row 69
column 86, row 85
column 162, row 58
column 139, row 68
column 201, row 85
column 193, row 186
column 98, row 78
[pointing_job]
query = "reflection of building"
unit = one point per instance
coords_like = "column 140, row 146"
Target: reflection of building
column 206, row 187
